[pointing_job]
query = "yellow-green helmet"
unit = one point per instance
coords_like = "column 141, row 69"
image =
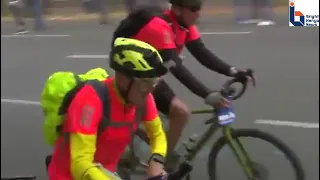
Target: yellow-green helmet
column 136, row 58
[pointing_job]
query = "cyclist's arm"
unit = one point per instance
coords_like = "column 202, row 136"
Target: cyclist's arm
column 197, row 48
column 84, row 114
column 165, row 44
column 183, row 74
column 153, row 125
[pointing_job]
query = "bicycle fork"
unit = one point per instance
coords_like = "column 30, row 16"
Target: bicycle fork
column 241, row 154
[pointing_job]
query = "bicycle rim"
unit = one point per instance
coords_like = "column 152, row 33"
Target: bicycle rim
column 257, row 134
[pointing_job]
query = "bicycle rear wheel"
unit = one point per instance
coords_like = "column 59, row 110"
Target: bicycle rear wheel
column 254, row 133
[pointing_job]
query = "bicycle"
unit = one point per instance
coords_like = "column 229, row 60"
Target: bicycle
column 222, row 118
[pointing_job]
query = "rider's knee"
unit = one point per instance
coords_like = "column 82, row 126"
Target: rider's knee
column 179, row 110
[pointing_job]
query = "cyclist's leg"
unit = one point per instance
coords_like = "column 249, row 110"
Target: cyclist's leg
column 103, row 11
column 37, row 8
column 17, row 8
column 169, row 104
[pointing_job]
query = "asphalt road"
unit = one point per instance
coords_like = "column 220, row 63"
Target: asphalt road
column 286, row 61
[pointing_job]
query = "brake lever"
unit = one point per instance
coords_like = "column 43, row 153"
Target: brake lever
column 227, row 90
column 243, row 79
column 250, row 74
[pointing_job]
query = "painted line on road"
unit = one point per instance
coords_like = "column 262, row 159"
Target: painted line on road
column 225, row 33
column 88, row 56
column 34, row 35
column 20, row 102
column 94, row 56
column 66, row 35
column 306, row 125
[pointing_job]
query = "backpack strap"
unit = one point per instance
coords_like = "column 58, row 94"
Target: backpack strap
column 168, row 20
column 68, row 99
column 103, row 93
column 70, row 95
column 140, row 112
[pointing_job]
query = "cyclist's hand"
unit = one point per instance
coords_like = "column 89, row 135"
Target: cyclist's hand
column 156, row 169
column 238, row 73
column 216, row 99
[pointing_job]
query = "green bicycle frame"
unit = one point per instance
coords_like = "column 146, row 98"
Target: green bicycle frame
column 236, row 146
column 241, row 154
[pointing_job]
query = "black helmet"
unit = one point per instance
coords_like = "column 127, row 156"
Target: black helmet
column 187, row 3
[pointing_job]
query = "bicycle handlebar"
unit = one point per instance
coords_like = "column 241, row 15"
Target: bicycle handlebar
column 183, row 169
column 227, row 90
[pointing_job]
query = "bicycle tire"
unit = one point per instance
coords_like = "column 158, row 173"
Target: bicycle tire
column 255, row 133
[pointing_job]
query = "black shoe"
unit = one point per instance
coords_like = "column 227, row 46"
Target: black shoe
column 22, row 30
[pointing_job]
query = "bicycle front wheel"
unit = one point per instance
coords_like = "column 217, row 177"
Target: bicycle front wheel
column 257, row 134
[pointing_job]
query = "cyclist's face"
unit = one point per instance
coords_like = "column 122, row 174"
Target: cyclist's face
column 141, row 88
column 190, row 15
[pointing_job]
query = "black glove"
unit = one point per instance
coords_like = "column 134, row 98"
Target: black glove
column 216, row 98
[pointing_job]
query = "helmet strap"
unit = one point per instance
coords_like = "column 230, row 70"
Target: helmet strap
column 180, row 20
column 126, row 93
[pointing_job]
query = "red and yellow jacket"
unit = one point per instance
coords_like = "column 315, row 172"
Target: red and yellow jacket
column 79, row 151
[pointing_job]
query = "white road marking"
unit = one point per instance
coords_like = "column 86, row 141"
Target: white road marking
column 307, row 125
column 106, row 56
column 34, row 35
column 20, row 102
column 88, row 56
column 66, row 35
column 94, row 56
column 224, row 33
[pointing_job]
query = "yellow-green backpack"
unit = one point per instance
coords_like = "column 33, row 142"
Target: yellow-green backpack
column 58, row 85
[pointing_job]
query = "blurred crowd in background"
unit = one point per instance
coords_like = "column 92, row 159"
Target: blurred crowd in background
column 259, row 12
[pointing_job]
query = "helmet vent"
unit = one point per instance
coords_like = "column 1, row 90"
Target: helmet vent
column 142, row 64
